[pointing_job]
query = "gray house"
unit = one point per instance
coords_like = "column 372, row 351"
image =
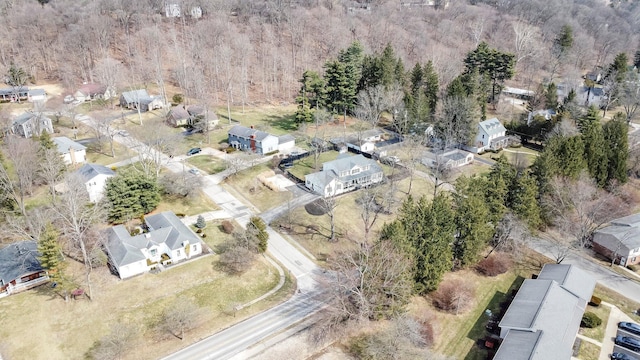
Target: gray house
column 19, row 268
column 140, row 99
column 543, row 320
column 72, row 152
column 29, row 124
column 168, row 241
column 620, row 241
column 249, row 139
column 344, row 174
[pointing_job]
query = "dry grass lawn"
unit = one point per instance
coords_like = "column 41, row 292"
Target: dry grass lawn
column 59, row 330
column 246, row 185
column 188, row 206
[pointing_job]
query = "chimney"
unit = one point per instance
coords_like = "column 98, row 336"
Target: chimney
column 252, row 126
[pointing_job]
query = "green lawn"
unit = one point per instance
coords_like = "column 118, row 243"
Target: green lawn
column 187, row 206
column 588, row 351
column 53, row 325
column 306, row 166
column 207, row 163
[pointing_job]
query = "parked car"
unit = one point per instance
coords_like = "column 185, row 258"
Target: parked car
column 193, row 151
column 194, row 171
column 69, row 99
column 390, row 160
column 621, row 356
column 627, row 342
column 630, row 327
column 123, row 133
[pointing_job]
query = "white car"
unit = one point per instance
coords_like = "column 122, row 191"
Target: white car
column 194, row 171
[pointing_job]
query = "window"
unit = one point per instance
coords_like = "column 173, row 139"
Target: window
column 177, row 252
column 355, row 171
column 153, row 252
column 195, row 247
column 483, row 136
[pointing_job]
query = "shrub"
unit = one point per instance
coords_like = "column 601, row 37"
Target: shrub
column 200, row 223
column 633, row 267
column 595, row 301
column 180, row 215
column 203, row 235
column 590, row 320
column 199, row 231
column 230, row 149
column 227, row 227
column 453, row 296
column 494, row 265
column 177, row 98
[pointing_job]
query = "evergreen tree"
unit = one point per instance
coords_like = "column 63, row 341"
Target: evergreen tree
column 551, row 96
column 200, row 223
column 595, row 151
column 50, row 251
column 389, row 63
column 571, row 155
column 617, row 145
column 258, row 228
column 371, row 72
column 564, row 41
column 636, row 60
column 45, row 141
column 311, row 90
column 492, row 64
column 431, row 86
column 617, row 70
column 471, row 217
column 588, row 119
column 340, row 90
column 499, row 180
column 131, row 195
column 524, row 203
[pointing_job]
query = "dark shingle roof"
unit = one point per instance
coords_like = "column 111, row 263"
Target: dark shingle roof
column 18, row 259
column 245, row 132
column 89, row 171
column 179, row 231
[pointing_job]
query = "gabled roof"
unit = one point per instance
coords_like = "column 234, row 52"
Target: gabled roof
column 178, row 112
column 27, row 116
column 492, row 126
column 90, row 171
column 283, row 139
column 165, row 228
column 518, row 345
column 631, row 220
column 136, row 96
column 348, row 163
column 625, row 229
column 63, row 144
column 245, row 132
column 36, row 92
column 571, row 278
column 18, row 259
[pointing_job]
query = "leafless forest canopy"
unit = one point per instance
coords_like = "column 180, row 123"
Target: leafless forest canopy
column 255, row 51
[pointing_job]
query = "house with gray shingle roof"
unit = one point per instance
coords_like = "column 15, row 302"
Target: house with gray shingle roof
column 447, row 159
column 20, row 268
column 168, row 241
column 620, row 241
column 250, row 139
column 543, row 320
column 491, row 135
column 344, row 174
column 30, row 124
column 140, row 99
column 72, row 152
column 95, row 179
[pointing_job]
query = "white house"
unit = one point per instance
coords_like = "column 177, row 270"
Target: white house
column 91, row 91
column 491, row 135
column 95, row 178
column 36, row 95
column 344, row 174
column 140, row 99
column 547, row 114
column 250, row 139
column 447, row 159
column 167, row 242
column 72, row 152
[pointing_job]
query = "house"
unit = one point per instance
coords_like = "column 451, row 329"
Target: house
column 447, row 159
column 595, row 75
column 620, row 241
column 168, row 241
column 178, row 116
column 140, row 100
column 95, row 178
column 197, row 113
column 30, row 124
column 286, row 143
column 543, row 320
column 491, row 135
column 92, row 91
column 547, row 114
column 36, row 95
column 11, row 94
column 20, row 268
column 250, row 139
column 522, row 95
column 72, row 152
column 344, row 174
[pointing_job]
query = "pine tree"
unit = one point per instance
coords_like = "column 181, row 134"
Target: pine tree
column 473, row 227
column 595, row 152
column 500, row 177
column 50, row 251
column 431, row 86
column 130, row 195
column 591, row 117
column 524, row 203
column 45, row 141
column 200, row 223
column 492, row 64
column 340, row 89
column 551, row 96
column 617, row 145
column 570, row 155
column 617, row 70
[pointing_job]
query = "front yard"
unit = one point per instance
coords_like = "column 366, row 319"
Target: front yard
column 54, row 326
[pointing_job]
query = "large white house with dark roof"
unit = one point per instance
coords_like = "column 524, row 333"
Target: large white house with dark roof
column 95, row 178
column 250, row 139
column 543, row 320
column 620, row 241
column 344, row 174
column 168, row 241
column 491, row 136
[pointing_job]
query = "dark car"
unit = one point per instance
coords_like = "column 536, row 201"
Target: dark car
column 627, row 342
column 621, row 356
column 630, row 327
column 193, row 151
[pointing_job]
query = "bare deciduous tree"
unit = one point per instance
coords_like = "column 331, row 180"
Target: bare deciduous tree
column 52, row 169
column 181, row 316
column 114, row 345
column 329, row 205
column 17, row 184
column 373, row 101
column 158, row 145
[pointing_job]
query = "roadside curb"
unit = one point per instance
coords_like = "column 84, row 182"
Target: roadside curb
column 272, row 291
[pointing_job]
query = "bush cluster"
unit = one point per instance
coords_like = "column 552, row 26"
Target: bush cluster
column 453, row 296
column 595, row 301
column 494, row 265
column 590, row 320
column 227, row 227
